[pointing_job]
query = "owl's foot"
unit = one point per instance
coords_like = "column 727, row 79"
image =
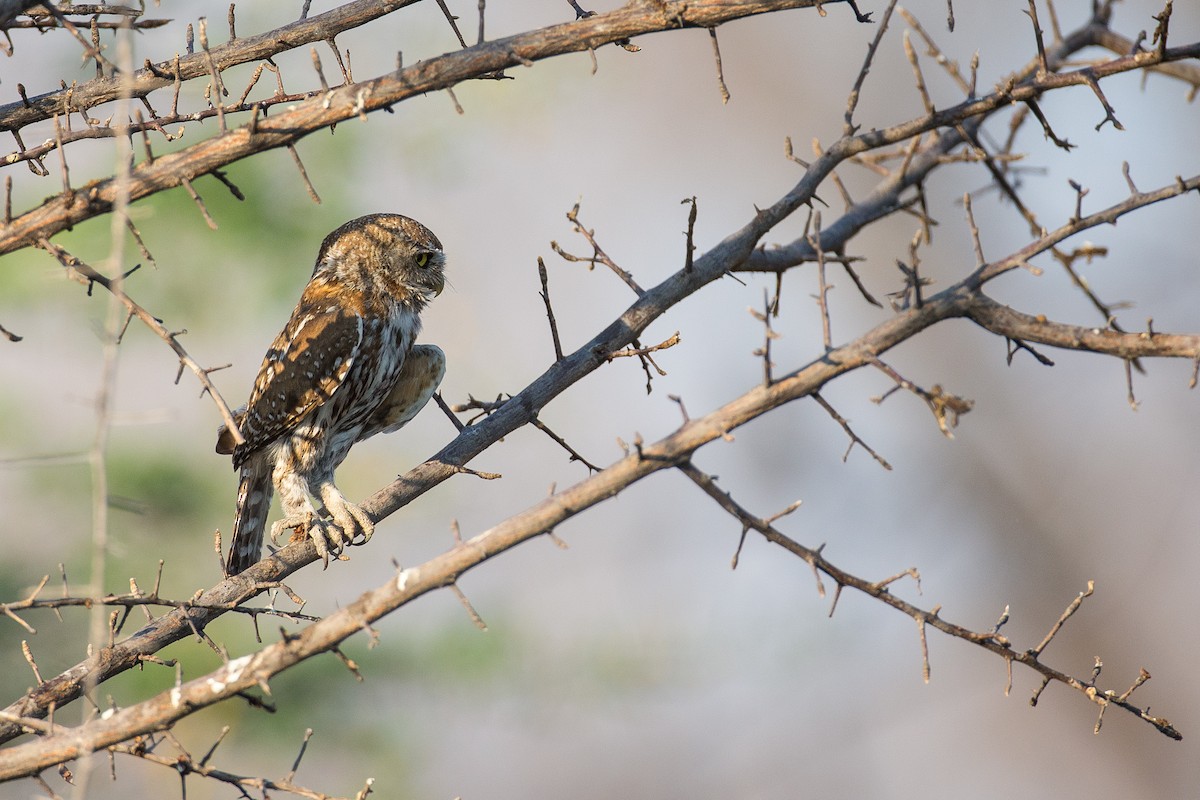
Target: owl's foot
column 332, row 534
column 351, row 520
column 343, row 526
column 329, row 539
column 292, row 522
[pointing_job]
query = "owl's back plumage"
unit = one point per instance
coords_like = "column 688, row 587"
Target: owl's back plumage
column 341, row 370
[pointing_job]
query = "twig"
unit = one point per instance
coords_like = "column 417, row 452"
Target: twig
column 453, row 24
column 561, row 442
column 822, row 286
column 218, row 87
column 312, row 192
column 187, row 184
column 470, row 609
column 1037, row 35
column 89, row 276
column 670, row 341
column 918, row 77
column 769, row 335
column 849, row 128
column 1071, row 609
column 691, row 232
column 712, row 32
column 598, row 254
column 946, row 407
column 558, row 352
column 854, row 438
column 991, row 641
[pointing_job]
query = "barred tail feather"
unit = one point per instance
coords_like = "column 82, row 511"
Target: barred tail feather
column 253, row 505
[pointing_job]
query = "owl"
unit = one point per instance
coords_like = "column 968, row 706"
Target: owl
column 343, row 369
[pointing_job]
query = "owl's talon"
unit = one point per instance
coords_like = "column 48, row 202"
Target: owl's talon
column 326, row 538
column 351, row 521
column 331, row 537
column 332, row 534
column 292, row 522
column 322, row 551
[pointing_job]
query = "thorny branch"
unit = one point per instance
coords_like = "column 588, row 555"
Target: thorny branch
column 646, row 309
column 337, row 105
column 246, row 49
column 88, row 276
column 242, row 674
column 444, row 71
column 879, row 590
column 137, row 599
column 185, row 764
column 598, row 255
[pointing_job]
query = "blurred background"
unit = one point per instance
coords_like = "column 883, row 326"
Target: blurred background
column 635, row 662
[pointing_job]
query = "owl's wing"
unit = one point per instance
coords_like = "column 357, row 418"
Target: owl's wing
column 306, row 364
column 422, row 372
column 225, row 440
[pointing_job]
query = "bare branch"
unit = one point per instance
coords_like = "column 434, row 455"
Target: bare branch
column 712, row 32
column 956, row 301
column 89, row 276
column 1016, row 325
column 558, row 352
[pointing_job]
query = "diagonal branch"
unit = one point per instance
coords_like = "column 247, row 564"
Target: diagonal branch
column 1021, row 327
column 445, row 71
column 346, row 102
column 991, row 641
column 90, row 276
column 81, row 97
column 247, row 673
column 675, row 450
column 959, row 300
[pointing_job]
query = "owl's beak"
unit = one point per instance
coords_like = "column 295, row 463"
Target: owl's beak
column 439, row 283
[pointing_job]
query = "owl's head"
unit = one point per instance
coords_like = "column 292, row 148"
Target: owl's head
column 386, row 253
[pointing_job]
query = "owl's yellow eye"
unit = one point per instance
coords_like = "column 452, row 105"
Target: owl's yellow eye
column 422, row 259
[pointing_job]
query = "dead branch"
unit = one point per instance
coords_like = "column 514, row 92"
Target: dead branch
column 88, row 275
column 336, row 106
column 956, row 301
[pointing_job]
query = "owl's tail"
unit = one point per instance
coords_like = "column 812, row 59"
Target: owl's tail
column 253, row 505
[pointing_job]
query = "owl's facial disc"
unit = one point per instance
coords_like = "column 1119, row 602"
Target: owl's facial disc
column 430, row 272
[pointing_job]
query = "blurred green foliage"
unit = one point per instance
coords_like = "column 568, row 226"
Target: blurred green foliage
column 162, row 488
column 197, row 274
